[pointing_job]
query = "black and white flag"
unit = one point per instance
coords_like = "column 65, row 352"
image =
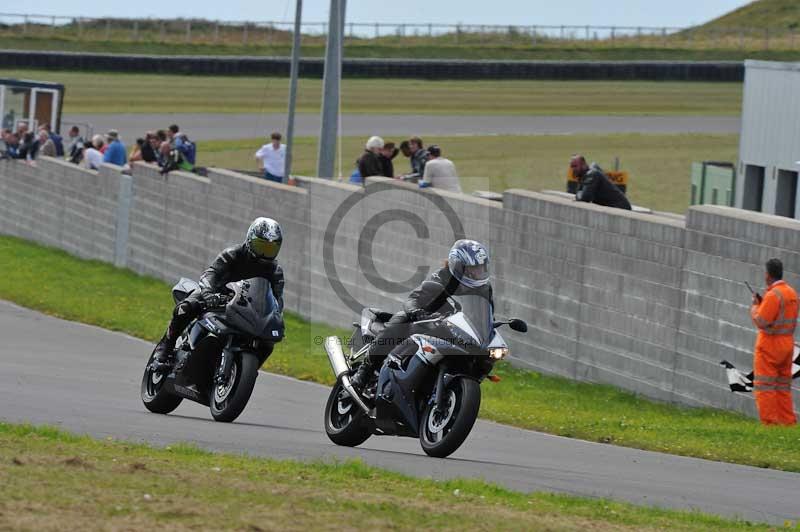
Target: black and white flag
column 741, row 382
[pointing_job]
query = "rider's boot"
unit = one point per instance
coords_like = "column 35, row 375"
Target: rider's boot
column 363, row 374
column 165, row 351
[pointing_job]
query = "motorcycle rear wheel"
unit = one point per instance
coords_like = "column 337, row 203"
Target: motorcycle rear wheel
column 441, row 433
column 227, row 401
column 345, row 423
column 154, row 397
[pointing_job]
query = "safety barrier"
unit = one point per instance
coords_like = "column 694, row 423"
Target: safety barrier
column 645, row 302
column 381, row 68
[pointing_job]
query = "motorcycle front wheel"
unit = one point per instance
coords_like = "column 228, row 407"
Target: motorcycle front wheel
column 228, row 400
column 154, row 397
column 345, row 423
column 441, row 432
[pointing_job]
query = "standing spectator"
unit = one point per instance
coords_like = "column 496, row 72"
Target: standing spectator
column 172, row 134
column 58, row 141
column 594, row 186
column 12, row 145
column 369, row 164
column 272, row 158
column 136, row 152
column 76, row 145
column 388, row 152
column 46, row 145
column 150, row 148
column 775, row 314
column 419, row 156
column 94, row 157
column 115, row 154
column 440, row 172
column 29, row 147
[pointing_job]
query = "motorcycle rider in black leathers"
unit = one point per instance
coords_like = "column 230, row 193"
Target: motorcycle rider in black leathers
column 466, row 272
column 253, row 258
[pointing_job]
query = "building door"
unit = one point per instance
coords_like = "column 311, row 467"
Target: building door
column 44, row 103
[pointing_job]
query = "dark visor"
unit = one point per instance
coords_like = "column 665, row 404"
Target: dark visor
column 264, row 248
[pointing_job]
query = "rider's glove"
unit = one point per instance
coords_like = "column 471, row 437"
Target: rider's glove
column 215, row 300
column 421, row 314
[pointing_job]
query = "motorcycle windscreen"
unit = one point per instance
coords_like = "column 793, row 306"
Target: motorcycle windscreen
column 478, row 313
column 257, row 313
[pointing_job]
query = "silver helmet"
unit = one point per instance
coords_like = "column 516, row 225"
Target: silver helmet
column 468, row 261
column 264, row 238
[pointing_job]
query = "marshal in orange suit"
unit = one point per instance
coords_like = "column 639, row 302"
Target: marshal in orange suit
column 775, row 315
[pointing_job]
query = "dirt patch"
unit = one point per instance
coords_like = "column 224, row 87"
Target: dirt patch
column 137, row 466
column 17, row 461
column 77, row 461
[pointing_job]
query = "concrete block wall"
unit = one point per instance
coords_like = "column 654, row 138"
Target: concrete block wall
column 645, row 302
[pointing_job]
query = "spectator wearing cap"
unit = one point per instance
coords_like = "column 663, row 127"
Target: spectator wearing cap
column 440, row 172
column 115, row 154
column 272, row 157
column 369, row 164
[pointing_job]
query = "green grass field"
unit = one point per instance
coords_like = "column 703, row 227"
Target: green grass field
column 145, row 93
column 52, row 480
column 696, row 50
column 92, row 292
column 659, row 164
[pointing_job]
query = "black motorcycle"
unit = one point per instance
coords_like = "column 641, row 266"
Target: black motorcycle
column 218, row 355
column 427, row 388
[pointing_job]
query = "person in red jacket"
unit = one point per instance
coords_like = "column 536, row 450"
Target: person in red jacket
column 775, row 315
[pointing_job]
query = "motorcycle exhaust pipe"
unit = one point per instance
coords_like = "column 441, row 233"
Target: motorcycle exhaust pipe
column 333, row 347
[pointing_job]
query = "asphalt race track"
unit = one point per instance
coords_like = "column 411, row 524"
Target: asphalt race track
column 86, row 380
column 241, row 126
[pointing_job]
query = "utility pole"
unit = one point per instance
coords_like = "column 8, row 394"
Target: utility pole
column 295, row 70
column 330, row 90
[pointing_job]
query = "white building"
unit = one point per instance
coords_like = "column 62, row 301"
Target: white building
column 769, row 147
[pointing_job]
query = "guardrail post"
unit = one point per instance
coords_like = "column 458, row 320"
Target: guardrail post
column 216, row 32
column 108, row 29
column 188, row 31
column 533, row 35
column 613, row 34
column 25, row 25
column 162, row 31
column 664, row 36
column 52, row 25
column 80, row 27
column 766, row 38
column 135, row 35
column 244, row 33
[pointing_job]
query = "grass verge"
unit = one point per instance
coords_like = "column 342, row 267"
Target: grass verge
column 93, row 292
column 91, row 92
column 694, row 49
column 659, row 165
column 52, row 480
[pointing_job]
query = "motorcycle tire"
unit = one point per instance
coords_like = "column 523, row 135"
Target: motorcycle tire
column 345, row 423
column 154, row 397
column 228, row 401
column 440, row 434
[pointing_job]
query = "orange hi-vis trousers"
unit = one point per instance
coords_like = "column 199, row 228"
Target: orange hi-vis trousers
column 776, row 319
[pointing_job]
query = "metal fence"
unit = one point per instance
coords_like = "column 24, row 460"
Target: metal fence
column 277, row 33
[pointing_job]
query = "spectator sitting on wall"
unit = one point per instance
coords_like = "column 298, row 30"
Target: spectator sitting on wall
column 440, row 172
column 272, row 158
column 93, row 154
column 76, row 145
column 58, row 141
column 369, row 164
column 388, row 152
column 115, row 154
column 594, row 186
column 173, row 135
column 46, row 145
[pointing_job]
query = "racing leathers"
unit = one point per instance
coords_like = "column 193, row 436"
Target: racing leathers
column 232, row 264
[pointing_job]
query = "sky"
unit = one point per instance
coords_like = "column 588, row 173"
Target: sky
column 675, row 13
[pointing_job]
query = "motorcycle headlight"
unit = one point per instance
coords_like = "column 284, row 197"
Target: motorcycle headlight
column 498, row 353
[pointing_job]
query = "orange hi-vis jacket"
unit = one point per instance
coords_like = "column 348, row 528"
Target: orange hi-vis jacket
column 776, row 319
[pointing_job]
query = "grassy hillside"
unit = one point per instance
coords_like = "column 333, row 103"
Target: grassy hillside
column 777, row 15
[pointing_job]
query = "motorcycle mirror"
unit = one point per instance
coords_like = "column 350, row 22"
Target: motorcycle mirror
column 518, row 325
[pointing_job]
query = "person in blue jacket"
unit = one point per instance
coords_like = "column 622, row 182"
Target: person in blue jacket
column 115, row 154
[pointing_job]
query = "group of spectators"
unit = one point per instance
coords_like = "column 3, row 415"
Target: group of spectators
column 428, row 167
column 170, row 149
